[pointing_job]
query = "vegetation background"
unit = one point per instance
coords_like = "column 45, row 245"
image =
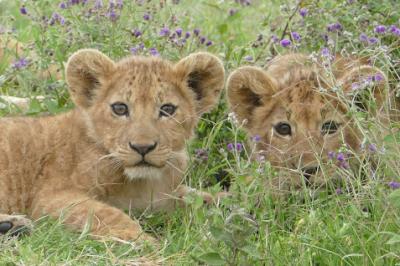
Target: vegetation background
column 354, row 225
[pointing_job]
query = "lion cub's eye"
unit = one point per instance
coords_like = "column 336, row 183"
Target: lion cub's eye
column 329, row 127
column 120, row 109
column 167, row 109
column 283, row 129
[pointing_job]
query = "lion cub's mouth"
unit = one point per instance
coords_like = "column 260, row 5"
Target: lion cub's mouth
column 144, row 163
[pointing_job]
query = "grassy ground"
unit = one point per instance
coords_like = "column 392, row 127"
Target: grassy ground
column 357, row 226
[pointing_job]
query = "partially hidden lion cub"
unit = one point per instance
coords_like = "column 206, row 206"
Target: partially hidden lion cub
column 122, row 147
column 299, row 109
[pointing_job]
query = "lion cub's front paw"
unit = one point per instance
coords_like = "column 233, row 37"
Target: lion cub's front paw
column 184, row 191
column 14, row 225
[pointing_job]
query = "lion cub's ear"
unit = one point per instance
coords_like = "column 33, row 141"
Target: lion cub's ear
column 205, row 76
column 86, row 71
column 248, row 87
column 364, row 84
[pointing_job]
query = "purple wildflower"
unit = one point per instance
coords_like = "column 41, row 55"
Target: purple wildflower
column 20, row 63
column 196, row 32
column 274, row 38
column 394, row 184
column 392, row 28
column 62, row 5
column 285, row 43
column 248, row 58
column 334, row 27
column 153, row 51
column 74, row 2
column 372, row 40
column 187, row 35
column 325, row 52
column 209, row 43
column 396, row 32
column 331, row 155
column 98, row 4
column 363, row 37
column 256, row 138
column 339, row 191
column 303, row 12
column 230, row 146
column 296, row 36
column 137, row 33
column 355, row 86
column 120, row 4
column 178, row 32
column 378, row 77
column 201, row 154
column 340, row 157
column 134, row 50
column 164, row 32
column 23, row 10
column 239, row 147
column 112, row 15
column 111, row 4
column 202, row 40
column 380, row 29
column 372, row 148
column 61, row 20
column 147, row 17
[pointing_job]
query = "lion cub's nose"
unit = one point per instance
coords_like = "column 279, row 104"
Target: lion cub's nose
column 143, row 149
column 308, row 172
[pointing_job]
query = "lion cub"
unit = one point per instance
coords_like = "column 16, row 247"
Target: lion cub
column 299, row 109
column 123, row 146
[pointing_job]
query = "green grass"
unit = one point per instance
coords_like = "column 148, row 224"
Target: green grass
column 359, row 227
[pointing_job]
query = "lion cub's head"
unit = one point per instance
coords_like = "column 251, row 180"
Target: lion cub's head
column 300, row 110
column 141, row 110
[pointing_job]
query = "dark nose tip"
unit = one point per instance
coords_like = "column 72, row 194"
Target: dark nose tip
column 308, row 172
column 143, row 149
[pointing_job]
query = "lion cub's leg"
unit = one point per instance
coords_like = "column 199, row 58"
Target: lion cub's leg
column 14, row 225
column 80, row 212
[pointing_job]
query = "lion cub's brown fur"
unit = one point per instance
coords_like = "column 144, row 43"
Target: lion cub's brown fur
column 297, row 92
column 84, row 166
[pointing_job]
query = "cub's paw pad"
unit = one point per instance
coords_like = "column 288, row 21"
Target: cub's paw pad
column 14, row 225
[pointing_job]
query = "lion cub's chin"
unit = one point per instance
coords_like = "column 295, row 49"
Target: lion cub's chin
column 142, row 172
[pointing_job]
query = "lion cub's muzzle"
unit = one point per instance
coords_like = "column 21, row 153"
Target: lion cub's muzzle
column 143, row 149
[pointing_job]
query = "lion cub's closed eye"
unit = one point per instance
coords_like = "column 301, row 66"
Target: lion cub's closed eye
column 298, row 112
column 123, row 146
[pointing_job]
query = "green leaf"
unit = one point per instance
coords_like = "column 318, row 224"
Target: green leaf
column 212, row 258
column 52, row 106
column 394, row 198
column 223, row 28
column 394, row 240
column 34, row 107
column 392, row 138
column 252, row 251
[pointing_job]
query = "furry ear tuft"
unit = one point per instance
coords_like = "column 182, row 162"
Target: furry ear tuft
column 86, row 70
column 204, row 75
column 247, row 88
column 364, row 84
